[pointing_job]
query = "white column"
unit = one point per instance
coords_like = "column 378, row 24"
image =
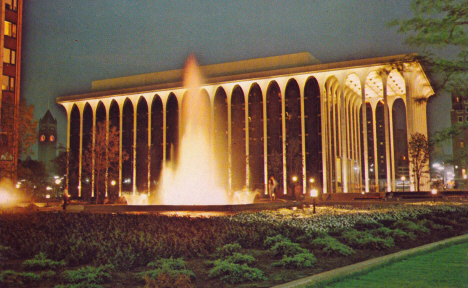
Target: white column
column 364, row 135
column 265, row 142
column 80, row 155
column 387, row 133
column 120, row 146
column 303, row 141
column 229, row 143
column 135, row 107
column 93, row 155
column 344, row 156
column 68, row 145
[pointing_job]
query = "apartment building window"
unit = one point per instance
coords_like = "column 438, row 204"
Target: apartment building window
column 466, row 118
column 8, row 83
column 11, row 5
column 9, row 56
column 460, row 119
column 466, row 109
column 10, row 29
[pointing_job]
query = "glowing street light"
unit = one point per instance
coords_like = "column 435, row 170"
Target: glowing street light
column 113, row 182
column 434, row 192
column 314, row 194
column 403, row 182
column 294, row 178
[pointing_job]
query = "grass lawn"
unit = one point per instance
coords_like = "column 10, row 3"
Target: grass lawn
column 447, row 267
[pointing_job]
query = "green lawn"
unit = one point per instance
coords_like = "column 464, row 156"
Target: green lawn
column 447, row 267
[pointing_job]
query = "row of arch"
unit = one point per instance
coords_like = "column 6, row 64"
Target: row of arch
column 288, row 131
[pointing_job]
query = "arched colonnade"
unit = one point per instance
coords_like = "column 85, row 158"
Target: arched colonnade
column 311, row 127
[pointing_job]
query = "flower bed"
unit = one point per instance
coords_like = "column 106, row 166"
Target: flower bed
column 329, row 239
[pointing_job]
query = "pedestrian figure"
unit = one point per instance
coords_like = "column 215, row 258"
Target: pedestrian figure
column 65, row 198
column 272, row 185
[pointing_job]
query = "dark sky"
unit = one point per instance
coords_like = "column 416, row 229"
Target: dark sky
column 68, row 43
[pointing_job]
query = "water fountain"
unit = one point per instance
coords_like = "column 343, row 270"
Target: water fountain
column 190, row 184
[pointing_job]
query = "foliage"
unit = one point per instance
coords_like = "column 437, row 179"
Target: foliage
column 5, row 253
column 228, row 249
column 410, row 226
column 168, row 273
column 171, row 264
column 98, row 158
column 235, row 273
column 11, row 278
column 397, row 234
column 331, row 246
column 240, row 258
column 287, row 248
column 165, row 280
column 440, row 27
column 365, row 240
column 301, row 260
column 34, row 173
column 270, row 241
column 40, row 262
column 89, row 274
column 79, row 285
column 419, row 150
column 61, row 161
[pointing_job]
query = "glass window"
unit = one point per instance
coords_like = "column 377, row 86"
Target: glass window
column 466, row 109
column 8, row 83
column 460, row 119
column 11, row 4
column 10, row 29
column 466, row 118
column 9, row 56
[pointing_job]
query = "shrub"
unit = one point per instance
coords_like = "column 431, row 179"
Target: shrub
column 40, row 262
column 165, row 280
column 156, row 273
column 89, row 274
column 364, row 225
column 239, row 258
column 397, row 234
column 270, row 241
column 6, row 253
column 287, row 248
column 332, row 247
column 434, row 226
column 302, row 260
column 410, row 226
column 169, row 264
column 11, row 278
column 167, row 270
column 79, row 285
column 365, row 240
column 228, row 249
column 235, row 273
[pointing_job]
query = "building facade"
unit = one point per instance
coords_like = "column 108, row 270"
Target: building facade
column 10, row 41
column 335, row 126
column 459, row 117
column 47, row 139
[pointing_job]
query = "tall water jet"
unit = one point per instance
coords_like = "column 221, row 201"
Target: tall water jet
column 190, row 178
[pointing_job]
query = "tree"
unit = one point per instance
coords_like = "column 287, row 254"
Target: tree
column 419, row 149
column 103, row 155
column 61, row 161
column 440, row 27
column 34, row 175
column 25, row 135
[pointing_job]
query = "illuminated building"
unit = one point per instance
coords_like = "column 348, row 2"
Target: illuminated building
column 287, row 116
column 459, row 116
column 10, row 41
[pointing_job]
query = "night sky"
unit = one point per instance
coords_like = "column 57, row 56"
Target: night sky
column 67, row 44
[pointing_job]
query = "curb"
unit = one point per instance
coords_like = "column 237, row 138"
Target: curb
column 367, row 266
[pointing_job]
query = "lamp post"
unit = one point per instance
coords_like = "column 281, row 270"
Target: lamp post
column 403, row 182
column 314, row 193
column 434, row 192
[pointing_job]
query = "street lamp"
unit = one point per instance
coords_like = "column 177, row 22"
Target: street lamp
column 434, row 192
column 403, row 182
column 314, row 194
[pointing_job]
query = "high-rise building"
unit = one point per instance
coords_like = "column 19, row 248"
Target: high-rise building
column 10, row 41
column 459, row 116
column 47, row 140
